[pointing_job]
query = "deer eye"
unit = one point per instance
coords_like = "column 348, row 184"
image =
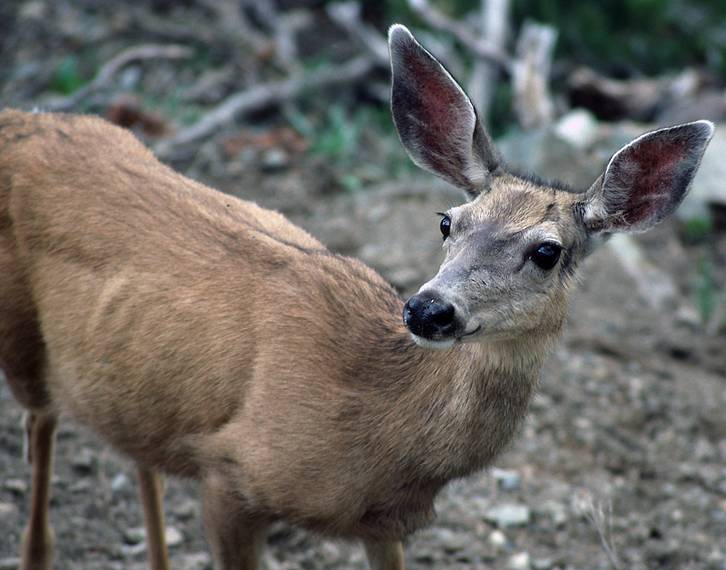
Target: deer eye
column 445, row 225
column 546, row 255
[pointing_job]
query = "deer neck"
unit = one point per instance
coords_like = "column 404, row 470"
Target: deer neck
column 459, row 407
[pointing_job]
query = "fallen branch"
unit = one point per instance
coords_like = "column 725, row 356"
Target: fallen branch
column 463, row 34
column 263, row 96
column 348, row 16
column 114, row 65
column 530, row 75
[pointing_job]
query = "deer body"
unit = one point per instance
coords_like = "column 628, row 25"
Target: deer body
column 206, row 337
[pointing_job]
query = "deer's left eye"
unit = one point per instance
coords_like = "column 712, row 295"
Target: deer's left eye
column 445, row 225
column 546, row 255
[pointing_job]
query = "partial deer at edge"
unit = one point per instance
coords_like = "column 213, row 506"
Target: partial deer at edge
column 205, row 337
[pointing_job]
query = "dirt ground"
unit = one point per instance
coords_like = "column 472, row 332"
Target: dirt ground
column 620, row 464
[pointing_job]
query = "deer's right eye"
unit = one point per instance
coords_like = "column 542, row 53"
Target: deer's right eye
column 445, row 225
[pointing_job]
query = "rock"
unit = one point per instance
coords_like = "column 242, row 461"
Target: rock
column 507, row 479
column 11, row 563
column 507, row 515
column 185, row 509
column 80, row 486
column 555, row 511
column 452, row 541
column 498, row 539
column 173, row 536
column 135, row 535
column 195, row 561
column 520, row 561
column 8, row 510
column 119, row 482
column 84, row 461
column 17, row 486
column 708, row 185
column 275, row 159
column 542, row 564
column 579, row 128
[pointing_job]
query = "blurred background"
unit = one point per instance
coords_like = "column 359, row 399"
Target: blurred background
column 621, row 463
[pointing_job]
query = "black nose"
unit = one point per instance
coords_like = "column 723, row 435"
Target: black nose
column 429, row 316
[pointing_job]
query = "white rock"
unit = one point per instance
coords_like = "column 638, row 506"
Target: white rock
column 508, row 515
column 498, row 539
column 11, row 563
column 17, row 486
column 173, row 536
column 507, row 479
column 578, row 127
column 519, row 561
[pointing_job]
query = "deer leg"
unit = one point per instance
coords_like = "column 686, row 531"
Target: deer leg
column 384, row 555
column 37, row 543
column 236, row 537
column 152, row 500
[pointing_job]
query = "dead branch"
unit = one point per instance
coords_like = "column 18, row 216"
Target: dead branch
column 348, row 16
column 266, row 95
column 530, row 75
column 468, row 38
column 114, row 65
column 495, row 28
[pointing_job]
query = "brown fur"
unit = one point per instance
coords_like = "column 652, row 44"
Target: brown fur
column 204, row 336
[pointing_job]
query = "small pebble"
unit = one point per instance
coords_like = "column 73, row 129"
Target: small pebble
column 84, row 461
column 542, row 564
column 173, row 536
column 275, row 159
column 195, row 561
column 11, row 563
column 498, row 539
column 519, row 561
column 8, row 510
column 508, row 515
column 119, row 482
column 507, row 479
column 17, row 486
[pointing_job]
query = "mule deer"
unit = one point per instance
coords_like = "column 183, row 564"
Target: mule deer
column 206, row 337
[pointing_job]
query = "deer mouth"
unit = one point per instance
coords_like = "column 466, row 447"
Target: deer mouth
column 469, row 334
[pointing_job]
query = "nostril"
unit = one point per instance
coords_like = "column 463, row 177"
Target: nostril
column 429, row 316
column 442, row 314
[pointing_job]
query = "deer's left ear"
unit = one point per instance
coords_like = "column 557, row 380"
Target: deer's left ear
column 435, row 119
column 646, row 180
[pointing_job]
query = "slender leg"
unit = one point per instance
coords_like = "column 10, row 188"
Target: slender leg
column 37, row 543
column 384, row 555
column 152, row 501
column 235, row 538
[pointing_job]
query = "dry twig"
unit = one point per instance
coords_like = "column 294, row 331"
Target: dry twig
column 114, row 65
column 480, row 48
column 265, row 95
column 348, row 16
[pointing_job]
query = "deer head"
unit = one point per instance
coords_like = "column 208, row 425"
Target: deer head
column 511, row 250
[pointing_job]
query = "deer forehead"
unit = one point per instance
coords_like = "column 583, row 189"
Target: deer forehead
column 519, row 206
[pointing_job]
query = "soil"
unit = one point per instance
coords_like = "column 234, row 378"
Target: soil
column 621, row 462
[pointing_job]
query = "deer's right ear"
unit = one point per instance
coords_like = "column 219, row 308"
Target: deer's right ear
column 435, row 119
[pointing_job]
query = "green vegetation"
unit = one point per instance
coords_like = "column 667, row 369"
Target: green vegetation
column 67, row 77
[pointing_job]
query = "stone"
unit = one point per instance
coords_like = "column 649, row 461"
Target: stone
column 174, row 536
column 17, row 486
column 519, row 561
column 275, row 159
column 135, row 535
column 507, row 515
column 579, row 128
column 119, row 482
column 542, row 564
column 194, row 561
column 8, row 510
column 11, row 563
column 507, row 479
column 498, row 539
column 556, row 512
column 84, row 461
